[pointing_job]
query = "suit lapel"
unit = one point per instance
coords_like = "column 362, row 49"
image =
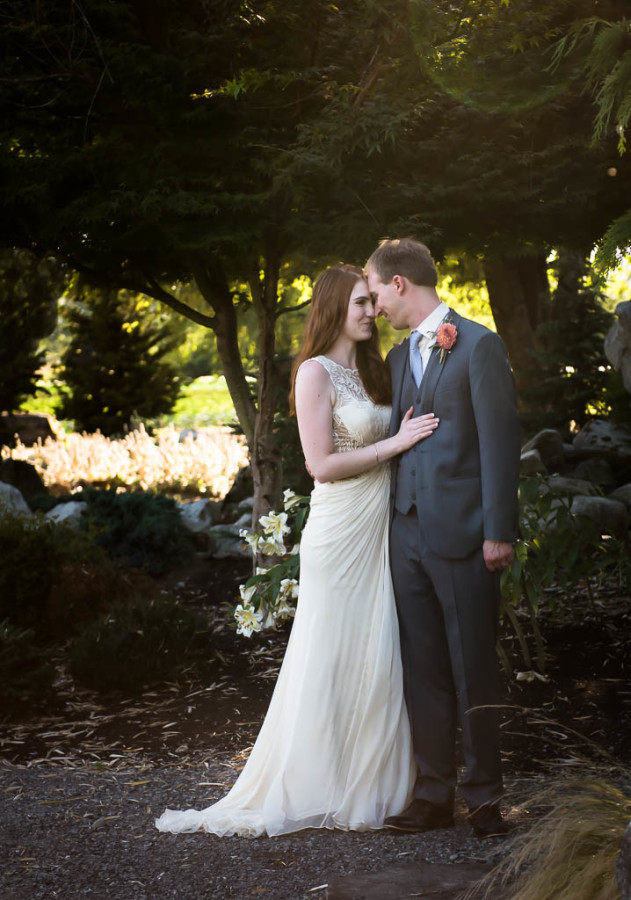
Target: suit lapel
column 434, row 370
column 399, row 357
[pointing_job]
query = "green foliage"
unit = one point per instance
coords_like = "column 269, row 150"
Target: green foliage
column 556, row 548
column 570, row 379
column 137, row 529
column 270, row 595
column 33, row 553
column 138, row 643
column 26, row 670
column 113, row 367
column 29, row 288
column 53, row 578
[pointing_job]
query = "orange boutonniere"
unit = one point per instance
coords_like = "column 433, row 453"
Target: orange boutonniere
column 446, row 337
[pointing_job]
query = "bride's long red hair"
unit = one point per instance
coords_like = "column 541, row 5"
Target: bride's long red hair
column 329, row 308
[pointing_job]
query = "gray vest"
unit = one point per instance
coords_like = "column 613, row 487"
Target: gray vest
column 405, row 492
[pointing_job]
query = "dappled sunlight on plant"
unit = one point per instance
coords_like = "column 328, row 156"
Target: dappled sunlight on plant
column 204, row 462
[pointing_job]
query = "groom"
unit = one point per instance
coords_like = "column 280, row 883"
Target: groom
column 454, row 518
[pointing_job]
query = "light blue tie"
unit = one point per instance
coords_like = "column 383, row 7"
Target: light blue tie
column 416, row 360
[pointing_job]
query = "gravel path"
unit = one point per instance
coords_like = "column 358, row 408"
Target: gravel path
column 76, row 830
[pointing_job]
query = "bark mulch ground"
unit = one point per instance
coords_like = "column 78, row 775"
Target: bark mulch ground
column 82, row 780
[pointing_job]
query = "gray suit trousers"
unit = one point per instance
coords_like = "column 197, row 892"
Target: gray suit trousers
column 448, row 619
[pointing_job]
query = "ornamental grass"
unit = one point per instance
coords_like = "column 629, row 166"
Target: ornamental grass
column 204, row 462
column 570, row 852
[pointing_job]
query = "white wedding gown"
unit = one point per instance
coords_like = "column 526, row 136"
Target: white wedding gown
column 334, row 750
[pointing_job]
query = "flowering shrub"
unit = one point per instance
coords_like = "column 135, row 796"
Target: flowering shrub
column 270, row 595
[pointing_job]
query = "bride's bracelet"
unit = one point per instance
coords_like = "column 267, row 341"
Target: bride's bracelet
column 376, row 453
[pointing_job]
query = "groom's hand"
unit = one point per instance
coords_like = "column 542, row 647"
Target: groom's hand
column 497, row 555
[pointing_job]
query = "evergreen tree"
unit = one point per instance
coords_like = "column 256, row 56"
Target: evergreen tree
column 114, row 368
column 29, row 288
column 571, row 376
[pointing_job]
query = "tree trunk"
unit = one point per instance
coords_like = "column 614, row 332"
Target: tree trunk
column 519, row 297
column 213, row 286
column 267, row 468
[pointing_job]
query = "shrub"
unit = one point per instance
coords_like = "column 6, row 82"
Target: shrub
column 139, row 643
column 138, row 529
column 25, row 668
column 52, row 578
column 570, row 852
column 142, row 530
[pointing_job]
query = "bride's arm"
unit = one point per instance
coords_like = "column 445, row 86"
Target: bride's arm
column 314, row 409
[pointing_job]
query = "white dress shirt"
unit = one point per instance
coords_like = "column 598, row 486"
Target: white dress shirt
column 428, row 328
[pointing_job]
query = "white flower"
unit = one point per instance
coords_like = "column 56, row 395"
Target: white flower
column 269, row 622
column 289, row 499
column 284, row 611
column 247, row 593
column 248, row 620
column 295, row 550
column 261, row 570
column 275, row 525
column 252, row 540
column 272, row 547
column 288, row 589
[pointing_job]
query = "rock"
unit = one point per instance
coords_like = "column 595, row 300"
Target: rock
column 421, row 879
column 199, row 516
column 187, row 433
column 244, row 521
column 569, row 451
column 29, row 427
column 549, row 443
column 603, row 439
column 596, row 471
column 531, row 463
column 560, row 484
column 610, row 516
column 12, row 502
column 623, row 494
column 618, row 343
column 623, row 865
column 71, row 514
column 226, row 543
column 23, row 476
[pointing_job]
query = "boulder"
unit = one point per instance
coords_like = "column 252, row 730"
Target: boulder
column 623, row 865
column 596, row 471
column 618, row 343
column 226, row 542
column 12, row 502
column 623, row 494
column 569, row 452
column 531, row 463
column 549, row 443
column 71, row 514
column 610, row 516
column 603, row 439
column 23, row 476
column 564, row 486
column 198, row 516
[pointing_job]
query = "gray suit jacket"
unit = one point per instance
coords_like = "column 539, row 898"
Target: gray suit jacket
column 467, row 471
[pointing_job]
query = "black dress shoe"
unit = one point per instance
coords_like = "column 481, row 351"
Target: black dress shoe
column 487, row 821
column 421, row 815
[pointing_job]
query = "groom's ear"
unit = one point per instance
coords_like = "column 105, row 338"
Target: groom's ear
column 399, row 282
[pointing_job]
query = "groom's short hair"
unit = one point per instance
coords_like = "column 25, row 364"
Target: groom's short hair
column 406, row 257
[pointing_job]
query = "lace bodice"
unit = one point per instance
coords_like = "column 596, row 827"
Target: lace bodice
column 357, row 420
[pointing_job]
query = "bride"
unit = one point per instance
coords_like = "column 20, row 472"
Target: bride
column 334, row 750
